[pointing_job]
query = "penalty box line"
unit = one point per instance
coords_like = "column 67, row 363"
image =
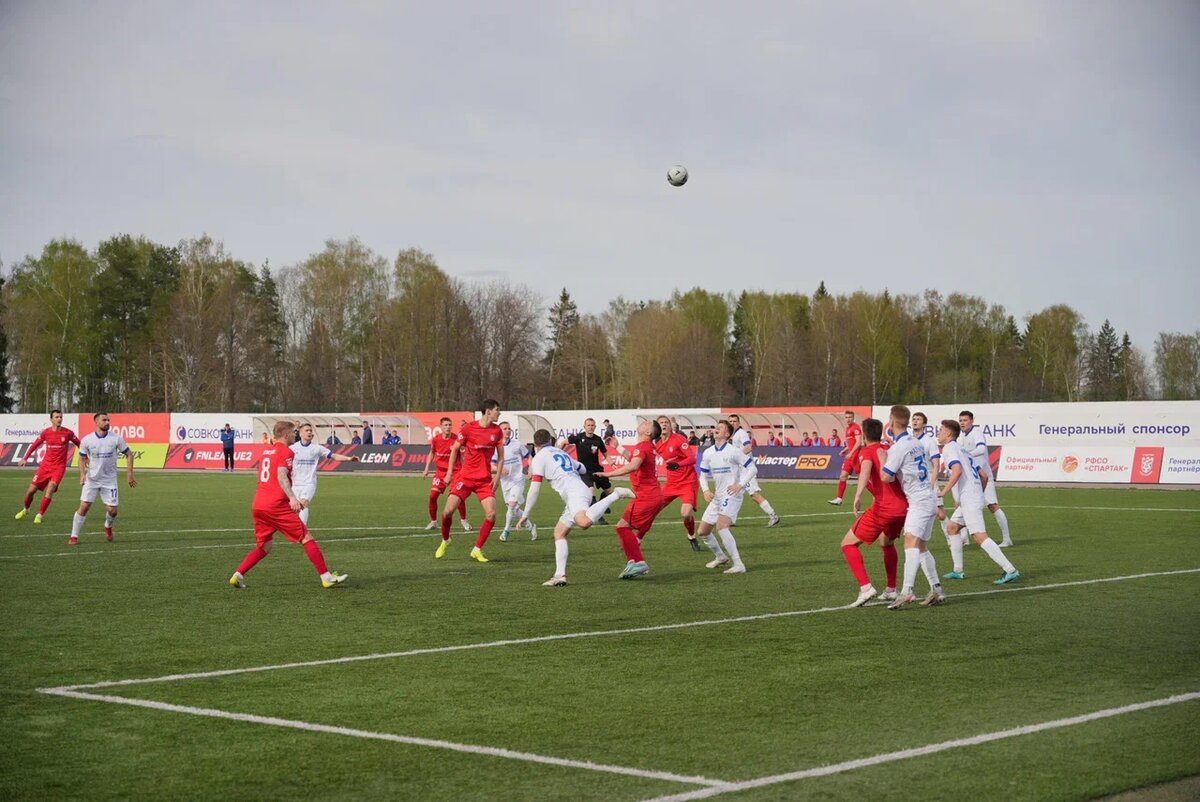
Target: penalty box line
column 929, row 749
column 473, row 749
column 577, row 635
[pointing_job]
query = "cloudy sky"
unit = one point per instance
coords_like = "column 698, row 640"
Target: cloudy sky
column 1030, row 152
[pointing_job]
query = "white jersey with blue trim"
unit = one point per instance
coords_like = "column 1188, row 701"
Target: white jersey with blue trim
column 304, row 462
column 556, row 466
column 907, row 459
column 515, row 454
column 102, row 452
column 974, row 445
column 969, row 488
column 726, row 465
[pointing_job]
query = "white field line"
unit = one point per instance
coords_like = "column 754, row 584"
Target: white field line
column 575, row 635
column 1107, row 509
column 931, row 749
column 243, row 543
column 490, row 751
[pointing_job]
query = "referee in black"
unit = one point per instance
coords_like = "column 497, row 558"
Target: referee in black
column 589, row 447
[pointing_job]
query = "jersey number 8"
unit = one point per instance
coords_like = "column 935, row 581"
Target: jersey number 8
column 264, row 473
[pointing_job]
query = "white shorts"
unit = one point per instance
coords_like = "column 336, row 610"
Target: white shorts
column 918, row 522
column 970, row 515
column 108, row 495
column 989, row 493
column 752, row 487
column 513, row 492
column 726, row 505
column 577, row 501
column 305, row 492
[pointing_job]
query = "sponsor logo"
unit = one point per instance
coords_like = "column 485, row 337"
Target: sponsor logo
column 131, row 432
column 1146, row 466
column 189, row 455
column 209, row 434
column 813, row 462
column 1069, row 464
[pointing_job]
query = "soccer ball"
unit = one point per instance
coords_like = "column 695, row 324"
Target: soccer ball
column 677, row 175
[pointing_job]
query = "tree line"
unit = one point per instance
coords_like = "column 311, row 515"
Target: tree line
column 137, row 325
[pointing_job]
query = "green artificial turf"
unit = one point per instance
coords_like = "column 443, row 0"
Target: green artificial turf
column 728, row 700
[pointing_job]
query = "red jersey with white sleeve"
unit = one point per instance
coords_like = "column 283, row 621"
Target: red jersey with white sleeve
column 676, row 450
column 440, row 444
column 889, row 496
column 645, row 478
column 58, row 446
column 270, row 496
column 477, row 445
column 853, row 434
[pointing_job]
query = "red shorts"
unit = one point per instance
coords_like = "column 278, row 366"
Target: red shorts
column 438, row 486
column 851, row 466
column 641, row 513
column 874, row 523
column 482, row 488
column 284, row 521
column 45, row 476
column 686, row 495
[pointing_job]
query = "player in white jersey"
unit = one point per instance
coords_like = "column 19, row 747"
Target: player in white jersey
column 555, row 465
column 732, row 471
column 971, row 481
column 927, row 437
column 740, row 438
column 304, row 466
column 98, row 454
column 512, row 479
column 974, row 445
column 908, row 464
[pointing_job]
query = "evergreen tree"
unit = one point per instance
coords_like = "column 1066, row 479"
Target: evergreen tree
column 564, row 319
column 1104, row 365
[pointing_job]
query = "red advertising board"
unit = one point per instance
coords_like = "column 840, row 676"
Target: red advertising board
column 135, row 427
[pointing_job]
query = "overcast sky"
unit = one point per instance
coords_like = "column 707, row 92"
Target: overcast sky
column 1029, row 152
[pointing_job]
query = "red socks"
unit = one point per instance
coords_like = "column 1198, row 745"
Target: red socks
column 462, row 511
column 630, row 543
column 28, row 500
column 315, row 556
column 446, row 519
column 841, row 488
column 890, row 559
column 433, row 499
column 45, row 503
column 857, row 567
column 251, row 560
column 689, row 523
column 484, row 531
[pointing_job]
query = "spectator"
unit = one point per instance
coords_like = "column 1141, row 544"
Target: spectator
column 771, row 441
column 834, row 441
column 333, row 440
column 355, row 440
column 784, row 441
column 266, row 439
column 368, row 437
column 227, row 438
column 296, row 435
column 693, row 440
column 609, row 431
column 806, row 441
column 709, row 439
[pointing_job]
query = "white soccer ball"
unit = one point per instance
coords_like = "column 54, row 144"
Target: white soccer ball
column 677, row 175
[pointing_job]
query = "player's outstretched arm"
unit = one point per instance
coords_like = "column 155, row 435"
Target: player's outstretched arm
column 625, row 470
column 32, row 448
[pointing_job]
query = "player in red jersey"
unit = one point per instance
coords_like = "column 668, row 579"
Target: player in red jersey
column 58, row 441
column 439, row 454
column 639, row 516
column 679, row 458
column 478, row 441
column 276, row 509
column 850, row 451
column 884, row 517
